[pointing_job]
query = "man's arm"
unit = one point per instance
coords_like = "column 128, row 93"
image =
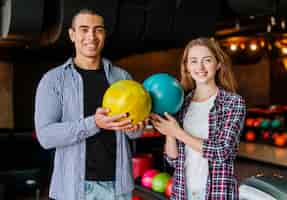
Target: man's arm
column 51, row 132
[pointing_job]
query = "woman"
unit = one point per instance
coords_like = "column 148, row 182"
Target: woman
column 203, row 145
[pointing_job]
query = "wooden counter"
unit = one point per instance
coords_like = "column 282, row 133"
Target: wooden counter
column 263, row 152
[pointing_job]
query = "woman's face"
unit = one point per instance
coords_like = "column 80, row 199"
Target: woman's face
column 202, row 65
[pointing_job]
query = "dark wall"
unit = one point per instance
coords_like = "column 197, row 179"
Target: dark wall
column 29, row 67
column 278, row 92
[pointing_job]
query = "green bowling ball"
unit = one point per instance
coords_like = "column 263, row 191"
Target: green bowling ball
column 265, row 123
column 276, row 123
column 160, row 181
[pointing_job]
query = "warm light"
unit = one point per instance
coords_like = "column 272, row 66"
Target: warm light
column 237, row 24
column 242, row 46
column 233, row 47
column 262, row 43
column 283, row 24
column 268, row 28
column 273, row 20
column 284, row 50
column 269, row 47
column 284, row 62
column 253, row 47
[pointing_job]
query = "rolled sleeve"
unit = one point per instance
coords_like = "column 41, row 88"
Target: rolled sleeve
column 171, row 161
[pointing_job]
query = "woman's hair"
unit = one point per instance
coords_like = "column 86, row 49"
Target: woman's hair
column 224, row 76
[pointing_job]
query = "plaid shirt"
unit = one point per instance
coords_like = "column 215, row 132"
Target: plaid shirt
column 226, row 120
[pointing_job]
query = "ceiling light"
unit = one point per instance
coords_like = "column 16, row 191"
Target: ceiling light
column 283, row 24
column 273, row 20
column 253, row 47
column 233, row 47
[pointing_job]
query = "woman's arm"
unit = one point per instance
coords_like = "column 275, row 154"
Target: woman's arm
column 223, row 146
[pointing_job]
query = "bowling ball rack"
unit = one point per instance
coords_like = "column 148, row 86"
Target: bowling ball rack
column 148, row 193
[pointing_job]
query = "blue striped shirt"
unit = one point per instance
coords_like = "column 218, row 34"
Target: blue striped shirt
column 60, row 124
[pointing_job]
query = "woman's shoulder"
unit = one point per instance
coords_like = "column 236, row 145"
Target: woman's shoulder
column 230, row 98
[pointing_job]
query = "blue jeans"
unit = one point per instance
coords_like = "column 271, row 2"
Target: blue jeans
column 103, row 190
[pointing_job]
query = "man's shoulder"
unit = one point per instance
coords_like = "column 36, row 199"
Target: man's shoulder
column 109, row 64
column 115, row 70
column 55, row 73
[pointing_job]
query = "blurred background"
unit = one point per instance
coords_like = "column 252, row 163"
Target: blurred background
column 145, row 37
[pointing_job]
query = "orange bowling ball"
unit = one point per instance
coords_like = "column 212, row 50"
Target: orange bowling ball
column 128, row 96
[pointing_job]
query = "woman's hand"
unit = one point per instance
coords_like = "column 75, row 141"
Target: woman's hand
column 167, row 126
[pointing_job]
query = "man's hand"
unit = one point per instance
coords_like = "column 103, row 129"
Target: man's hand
column 136, row 127
column 104, row 121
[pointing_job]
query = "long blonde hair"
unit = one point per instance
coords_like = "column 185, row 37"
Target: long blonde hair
column 224, row 76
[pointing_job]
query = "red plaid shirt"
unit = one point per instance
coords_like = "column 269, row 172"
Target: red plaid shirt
column 226, row 120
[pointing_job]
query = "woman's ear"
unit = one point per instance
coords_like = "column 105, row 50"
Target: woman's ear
column 219, row 65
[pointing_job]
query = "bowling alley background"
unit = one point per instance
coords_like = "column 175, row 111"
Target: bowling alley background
column 151, row 42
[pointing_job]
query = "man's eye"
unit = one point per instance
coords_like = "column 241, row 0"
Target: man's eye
column 84, row 30
column 100, row 30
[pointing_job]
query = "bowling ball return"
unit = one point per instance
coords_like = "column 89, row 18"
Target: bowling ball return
column 263, row 188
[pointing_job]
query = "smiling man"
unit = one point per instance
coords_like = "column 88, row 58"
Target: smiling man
column 92, row 159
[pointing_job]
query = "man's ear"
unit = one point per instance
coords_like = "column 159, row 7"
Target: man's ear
column 71, row 34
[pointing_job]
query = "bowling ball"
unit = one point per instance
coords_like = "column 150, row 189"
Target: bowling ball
column 280, row 140
column 265, row 123
column 166, row 93
column 159, row 182
column 249, row 122
column 141, row 163
column 276, row 123
column 147, row 178
column 136, row 198
column 168, row 188
column 128, row 96
column 250, row 136
column 265, row 135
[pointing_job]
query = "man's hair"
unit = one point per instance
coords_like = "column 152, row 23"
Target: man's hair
column 85, row 11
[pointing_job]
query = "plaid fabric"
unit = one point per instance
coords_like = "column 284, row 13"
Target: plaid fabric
column 226, row 120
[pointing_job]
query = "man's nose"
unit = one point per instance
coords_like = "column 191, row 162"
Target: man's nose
column 91, row 34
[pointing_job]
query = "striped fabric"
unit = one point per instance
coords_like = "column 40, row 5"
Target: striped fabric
column 60, row 124
column 226, row 120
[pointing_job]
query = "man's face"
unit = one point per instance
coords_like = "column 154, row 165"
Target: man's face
column 88, row 35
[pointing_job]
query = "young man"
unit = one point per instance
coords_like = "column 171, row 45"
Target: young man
column 92, row 159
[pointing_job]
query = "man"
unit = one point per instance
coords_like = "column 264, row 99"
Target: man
column 92, row 158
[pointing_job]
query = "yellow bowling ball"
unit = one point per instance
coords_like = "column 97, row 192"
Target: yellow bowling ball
column 128, row 96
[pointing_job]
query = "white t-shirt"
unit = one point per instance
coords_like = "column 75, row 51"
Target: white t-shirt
column 196, row 167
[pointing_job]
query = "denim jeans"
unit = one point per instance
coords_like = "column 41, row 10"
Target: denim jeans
column 103, row 190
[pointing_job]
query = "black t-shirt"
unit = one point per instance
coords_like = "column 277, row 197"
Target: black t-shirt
column 100, row 148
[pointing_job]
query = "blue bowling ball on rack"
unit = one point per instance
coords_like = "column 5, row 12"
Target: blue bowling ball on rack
column 166, row 92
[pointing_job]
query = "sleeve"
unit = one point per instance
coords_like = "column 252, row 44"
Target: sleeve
column 180, row 150
column 51, row 131
column 221, row 148
column 134, row 135
column 171, row 161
